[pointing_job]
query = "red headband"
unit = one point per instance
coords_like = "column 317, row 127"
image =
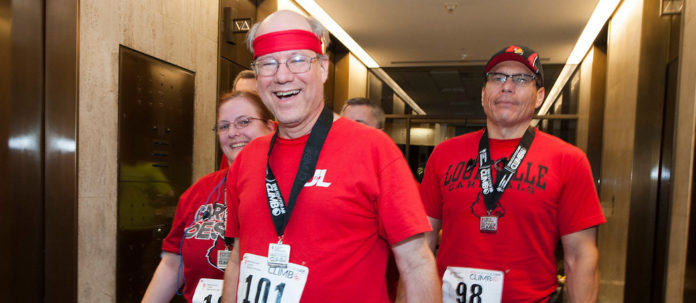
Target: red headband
column 286, row 40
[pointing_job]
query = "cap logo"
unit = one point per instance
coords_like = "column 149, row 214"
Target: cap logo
column 533, row 58
column 515, row 49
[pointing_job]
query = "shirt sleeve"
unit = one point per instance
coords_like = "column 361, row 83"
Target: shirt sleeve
column 430, row 188
column 232, row 207
column 173, row 240
column 401, row 213
column 579, row 206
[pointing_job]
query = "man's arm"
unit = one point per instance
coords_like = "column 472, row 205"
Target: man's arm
column 229, row 286
column 417, row 269
column 580, row 260
column 163, row 285
column 433, row 236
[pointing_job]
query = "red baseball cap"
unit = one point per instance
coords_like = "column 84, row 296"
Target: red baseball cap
column 521, row 54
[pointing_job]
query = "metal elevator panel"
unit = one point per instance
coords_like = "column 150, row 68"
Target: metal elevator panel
column 156, row 102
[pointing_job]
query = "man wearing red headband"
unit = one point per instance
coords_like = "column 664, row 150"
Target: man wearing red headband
column 313, row 224
column 505, row 195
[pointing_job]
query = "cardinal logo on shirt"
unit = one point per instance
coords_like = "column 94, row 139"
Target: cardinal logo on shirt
column 478, row 208
column 209, row 222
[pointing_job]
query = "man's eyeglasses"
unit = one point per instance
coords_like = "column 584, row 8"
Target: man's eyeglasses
column 517, row 79
column 269, row 66
column 224, row 126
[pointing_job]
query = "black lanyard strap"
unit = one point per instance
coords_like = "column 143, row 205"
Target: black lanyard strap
column 491, row 193
column 280, row 213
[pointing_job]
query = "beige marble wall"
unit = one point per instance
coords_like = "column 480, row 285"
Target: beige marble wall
column 683, row 157
column 618, row 142
column 182, row 32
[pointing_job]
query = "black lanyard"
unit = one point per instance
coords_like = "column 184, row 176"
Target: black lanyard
column 308, row 163
column 492, row 194
column 229, row 242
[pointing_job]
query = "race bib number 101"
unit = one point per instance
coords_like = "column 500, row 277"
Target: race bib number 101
column 259, row 283
column 472, row 285
column 207, row 291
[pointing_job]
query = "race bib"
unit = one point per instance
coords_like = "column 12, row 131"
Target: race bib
column 207, row 291
column 260, row 283
column 472, row 285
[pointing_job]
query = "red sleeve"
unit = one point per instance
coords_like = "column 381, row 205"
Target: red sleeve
column 173, row 240
column 401, row 213
column 231, row 219
column 579, row 206
column 430, row 188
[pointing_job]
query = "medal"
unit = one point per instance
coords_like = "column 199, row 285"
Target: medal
column 489, row 224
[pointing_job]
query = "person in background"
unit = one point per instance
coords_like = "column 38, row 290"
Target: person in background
column 330, row 241
column 505, row 195
column 195, row 254
column 246, row 81
column 364, row 111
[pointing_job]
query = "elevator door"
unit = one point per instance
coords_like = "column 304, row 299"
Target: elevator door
column 21, row 184
column 155, row 162
column 38, row 156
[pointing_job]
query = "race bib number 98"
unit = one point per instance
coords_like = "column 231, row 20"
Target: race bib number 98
column 472, row 285
column 259, row 283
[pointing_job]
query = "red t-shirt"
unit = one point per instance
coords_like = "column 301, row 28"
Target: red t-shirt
column 201, row 213
column 344, row 223
column 551, row 195
column 224, row 163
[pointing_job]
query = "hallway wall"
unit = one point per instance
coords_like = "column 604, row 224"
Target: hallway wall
column 683, row 157
column 637, row 52
column 350, row 80
column 182, row 32
column 617, row 155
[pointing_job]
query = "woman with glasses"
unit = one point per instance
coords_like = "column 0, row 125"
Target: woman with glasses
column 195, row 252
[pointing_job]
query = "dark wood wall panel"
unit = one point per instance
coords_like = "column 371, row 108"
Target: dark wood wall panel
column 61, row 108
column 21, row 210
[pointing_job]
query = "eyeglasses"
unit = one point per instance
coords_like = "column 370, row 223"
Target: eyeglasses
column 517, row 79
column 296, row 65
column 224, row 126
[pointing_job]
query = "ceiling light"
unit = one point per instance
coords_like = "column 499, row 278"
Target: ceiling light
column 317, row 12
column 604, row 10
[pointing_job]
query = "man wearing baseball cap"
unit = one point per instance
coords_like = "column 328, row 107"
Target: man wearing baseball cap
column 505, row 195
column 317, row 206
